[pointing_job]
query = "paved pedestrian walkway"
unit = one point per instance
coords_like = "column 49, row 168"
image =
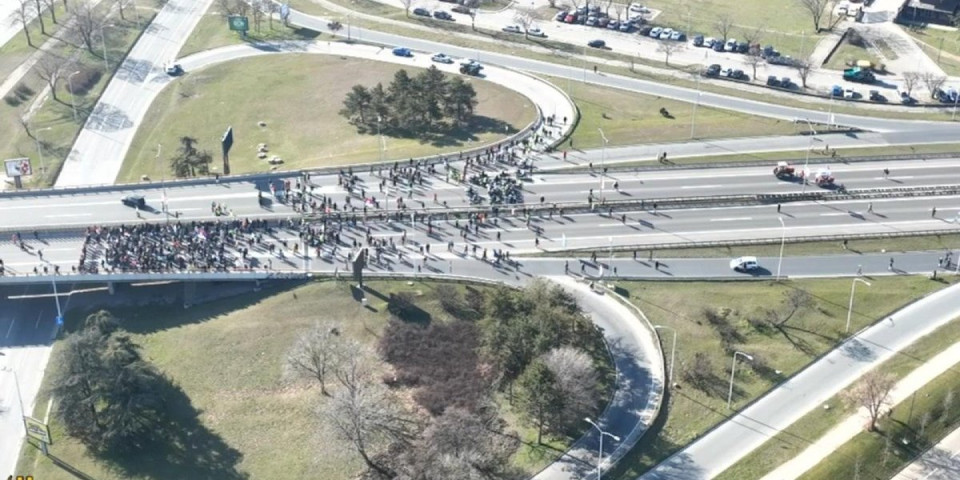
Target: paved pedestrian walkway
column 831, row 441
column 942, row 462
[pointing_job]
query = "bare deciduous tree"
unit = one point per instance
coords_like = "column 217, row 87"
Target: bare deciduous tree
column 803, row 71
column 668, row 48
column 753, row 35
column 22, row 16
column 38, row 5
column 871, row 393
column 576, row 378
column 754, row 59
column 933, row 82
column 910, row 81
column 86, row 20
column 525, row 18
column 120, row 6
column 50, row 69
column 368, row 417
column 472, row 6
column 316, row 354
column 723, row 24
column 817, row 9
column 52, row 8
column 257, row 8
column 619, row 9
column 406, row 6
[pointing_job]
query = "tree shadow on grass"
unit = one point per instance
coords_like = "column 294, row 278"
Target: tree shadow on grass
column 182, row 447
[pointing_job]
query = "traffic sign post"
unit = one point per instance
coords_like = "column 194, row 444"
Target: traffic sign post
column 239, row 23
column 38, row 431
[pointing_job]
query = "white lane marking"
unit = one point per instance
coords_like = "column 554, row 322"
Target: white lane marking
column 838, row 214
column 701, row 186
column 39, row 314
column 734, row 219
column 69, row 215
column 10, row 328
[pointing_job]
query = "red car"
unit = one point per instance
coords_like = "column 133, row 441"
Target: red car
column 570, row 19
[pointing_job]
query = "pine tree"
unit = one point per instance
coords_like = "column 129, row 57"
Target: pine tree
column 539, row 397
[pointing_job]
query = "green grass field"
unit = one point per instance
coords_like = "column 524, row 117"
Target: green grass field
column 53, row 122
column 812, row 330
column 848, row 54
column 794, row 439
column 628, row 118
column 212, row 32
column 247, row 418
column 299, row 97
column 942, row 46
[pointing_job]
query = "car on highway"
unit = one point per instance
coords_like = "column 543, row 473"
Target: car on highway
column 744, row 264
column 174, row 70
column 512, row 29
column 135, row 201
column 443, row 15
column 402, row 52
column 441, row 58
column 536, row 32
column 421, row 12
column 596, row 44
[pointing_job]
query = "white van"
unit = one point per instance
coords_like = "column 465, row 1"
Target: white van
column 744, row 264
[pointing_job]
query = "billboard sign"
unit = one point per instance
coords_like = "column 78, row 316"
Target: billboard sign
column 18, row 167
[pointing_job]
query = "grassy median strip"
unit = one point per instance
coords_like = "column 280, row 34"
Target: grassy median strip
column 809, row 428
column 213, row 31
column 51, row 122
column 784, row 326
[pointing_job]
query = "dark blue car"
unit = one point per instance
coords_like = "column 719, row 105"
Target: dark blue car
column 402, row 52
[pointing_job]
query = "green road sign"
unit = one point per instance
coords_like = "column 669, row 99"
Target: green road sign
column 37, row 429
column 239, row 23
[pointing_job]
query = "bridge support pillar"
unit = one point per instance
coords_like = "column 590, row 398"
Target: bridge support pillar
column 112, row 288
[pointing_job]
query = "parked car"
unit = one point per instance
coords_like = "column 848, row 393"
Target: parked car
column 665, row 33
column 571, row 18
column 596, row 44
column 876, row 96
column 709, row 42
column 135, row 201
column 637, row 8
column 461, row 9
column 655, row 32
column 698, row 40
column 613, row 25
column 769, row 52
column 785, row 82
column 441, row 58
column 645, row 30
column 773, row 81
column 742, row 47
column 512, row 29
column 536, row 32
column 731, row 45
column 591, row 21
column 442, row 15
column 174, row 70
column 678, row 36
column 836, row 91
column 602, row 22
column 561, row 16
column 626, row 26
column 712, row 70
column 402, row 52
column 422, row 12
column 744, row 264
column 739, row 75
column 717, row 45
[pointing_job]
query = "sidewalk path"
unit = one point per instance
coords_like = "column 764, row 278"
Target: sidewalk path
column 831, row 441
column 939, row 463
column 751, row 427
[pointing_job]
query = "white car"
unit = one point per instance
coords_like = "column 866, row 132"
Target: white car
column 665, row 33
column 637, row 8
column 676, row 35
column 512, row 29
column 731, row 45
column 655, row 32
column 441, row 58
column 850, row 93
column 536, row 32
column 744, row 264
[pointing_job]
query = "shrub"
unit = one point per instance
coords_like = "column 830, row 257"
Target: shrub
column 401, row 305
column 82, row 82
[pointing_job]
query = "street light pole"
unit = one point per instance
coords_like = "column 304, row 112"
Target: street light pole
column 602, row 433
column 693, row 122
column 853, row 288
column 673, row 350
column 36, row 136
column 73, row 94
column 733, row 371
column 103, row 39
column 603, row 160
